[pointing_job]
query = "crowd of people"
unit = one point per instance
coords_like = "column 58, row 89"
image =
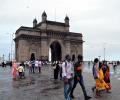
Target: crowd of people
column 18, row 69
column 72, row 74
column 101, row 74
column 34, row 66
column 70, row 71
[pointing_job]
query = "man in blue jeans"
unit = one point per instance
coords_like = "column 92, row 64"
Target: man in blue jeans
column 67, row 74
column 33, row 66
column 79, row 78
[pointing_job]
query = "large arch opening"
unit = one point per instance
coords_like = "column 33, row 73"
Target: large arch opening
column 32, row 57
column 55, row 53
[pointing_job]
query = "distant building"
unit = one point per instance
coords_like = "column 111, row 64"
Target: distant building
column 47, row 40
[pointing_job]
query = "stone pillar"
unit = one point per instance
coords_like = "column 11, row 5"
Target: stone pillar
column 63, row 49
column 44, row 49
column 23, row 50
column 80, row 49
column 16, row 51
column 67, row 47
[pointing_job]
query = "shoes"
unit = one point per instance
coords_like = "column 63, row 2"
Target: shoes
column 98, row 95
column 87, row 97
column 93, row 89
column 108, row 91
column 72, row 96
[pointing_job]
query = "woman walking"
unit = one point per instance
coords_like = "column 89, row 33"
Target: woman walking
column 14, row 69
column 99, row 77
column 106, row 72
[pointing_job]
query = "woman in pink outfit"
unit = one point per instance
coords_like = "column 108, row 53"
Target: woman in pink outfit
column 14, row 69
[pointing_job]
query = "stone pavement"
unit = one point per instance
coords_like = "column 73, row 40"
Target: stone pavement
column 44, row 87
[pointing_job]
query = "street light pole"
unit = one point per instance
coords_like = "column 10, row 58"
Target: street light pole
column 12, row 47
column 9, row 57
column 104, row 51
column 99, row 57
column 11, row 50
column 3, row 57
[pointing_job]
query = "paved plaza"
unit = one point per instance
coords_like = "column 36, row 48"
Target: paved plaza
column 44, row 87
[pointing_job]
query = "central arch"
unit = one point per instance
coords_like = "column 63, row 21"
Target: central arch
column 55, row 51
column 32, row 57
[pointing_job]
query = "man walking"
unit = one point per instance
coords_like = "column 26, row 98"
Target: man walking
column 33, row 66
column 79, row 78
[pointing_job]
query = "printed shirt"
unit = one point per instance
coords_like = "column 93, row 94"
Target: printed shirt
column 20, row 69
column 67, row 69
column 78, row 68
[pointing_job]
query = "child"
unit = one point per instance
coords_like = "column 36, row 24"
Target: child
column 21, row 71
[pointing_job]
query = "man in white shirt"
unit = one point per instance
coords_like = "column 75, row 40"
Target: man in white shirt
column 39, row 65
column 67, row 74
column 36, row 64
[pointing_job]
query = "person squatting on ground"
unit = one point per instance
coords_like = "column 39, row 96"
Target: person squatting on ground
column 67, row 74
column 20, row 70
column 79, row 78
column 99, row 77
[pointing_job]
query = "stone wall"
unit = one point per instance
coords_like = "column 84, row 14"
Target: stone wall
column 56, row 28
column 23, row 50
column 28, row 33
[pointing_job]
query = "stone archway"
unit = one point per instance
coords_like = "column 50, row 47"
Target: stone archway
column 55, row 51
column 32, row 56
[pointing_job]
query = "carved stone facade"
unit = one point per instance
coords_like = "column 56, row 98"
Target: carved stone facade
column 42, row 40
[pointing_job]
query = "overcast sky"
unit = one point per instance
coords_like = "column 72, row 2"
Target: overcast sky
column 97, row 20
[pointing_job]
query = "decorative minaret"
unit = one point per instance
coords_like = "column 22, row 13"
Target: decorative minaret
column 67, row 23
column 34, row 22
column 44, row 16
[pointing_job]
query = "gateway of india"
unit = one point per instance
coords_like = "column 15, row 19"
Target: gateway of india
column 47, row 40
